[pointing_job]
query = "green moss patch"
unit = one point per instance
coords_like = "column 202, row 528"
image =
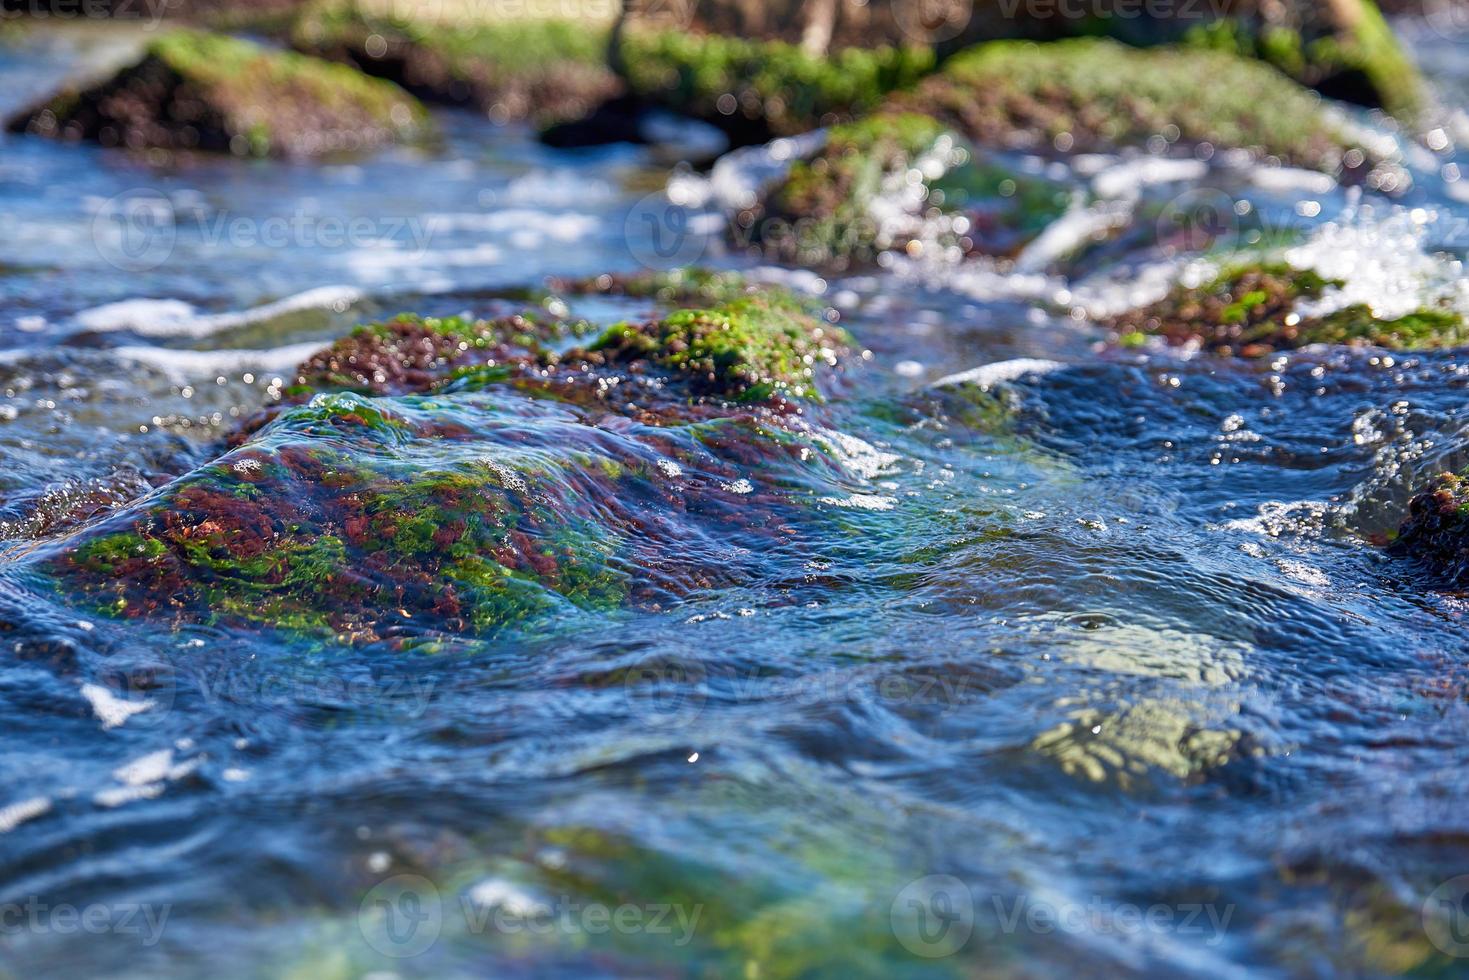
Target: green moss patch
column 1360, row 61
column 1095, row 95
column 682, row 287
column 748, row 349
column 547, row 71
column 1250, row 310
column 763, row 88
column 199, row 91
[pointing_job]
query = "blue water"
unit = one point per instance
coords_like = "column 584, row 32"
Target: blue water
column 1096, row 669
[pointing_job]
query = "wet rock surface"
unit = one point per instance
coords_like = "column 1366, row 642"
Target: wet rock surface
column 482, row 478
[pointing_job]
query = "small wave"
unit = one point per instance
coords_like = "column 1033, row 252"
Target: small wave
column 986, row 375
column 183, row 364
column 176, row 318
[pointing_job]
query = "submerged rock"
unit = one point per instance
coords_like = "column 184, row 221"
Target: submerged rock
column 547, row 71
column 492, row 478
column 1250, row 310
column 198, row 91
column 899, row 180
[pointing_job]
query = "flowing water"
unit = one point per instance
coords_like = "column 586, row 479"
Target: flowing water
column 1091, row 662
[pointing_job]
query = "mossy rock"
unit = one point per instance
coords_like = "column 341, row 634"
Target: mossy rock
column 899, row 180
column 410, row 353
column 1088, row 95
column 1249, row 310
column 546, row 71
column 683, row 287
column 755, row 90
column 473, row 482
column 1436, row 529
column 195, row 91
column 1345, row 50
column 759, row 343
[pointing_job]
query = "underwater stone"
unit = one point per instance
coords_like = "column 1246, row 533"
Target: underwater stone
column 195, row 91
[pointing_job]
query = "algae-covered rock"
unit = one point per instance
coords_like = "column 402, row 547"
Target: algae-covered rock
column 199, row 91
column 1436, row 529
column 539, row 69
column 491, row 476
column 754, row 90
column 755, row 344
column 899, row 180
column 410, row 353
column 1250, row 310
column 685, row 286
column 1343, row 49
column 1096, row 95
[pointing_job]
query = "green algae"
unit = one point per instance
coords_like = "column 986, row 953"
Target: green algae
column 1089, row 94
column 1250, row 309
column 779, row 87
column 748, row 349
column 1364, row 56
column 682, row 286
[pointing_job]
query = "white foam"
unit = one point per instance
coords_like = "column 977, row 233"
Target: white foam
column 175, row 318
column 1127, row 179
column 15, row 814
column 110, row 709
column 181, row 365
column 987, row 375
column 145, row 769
column 862, row 501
